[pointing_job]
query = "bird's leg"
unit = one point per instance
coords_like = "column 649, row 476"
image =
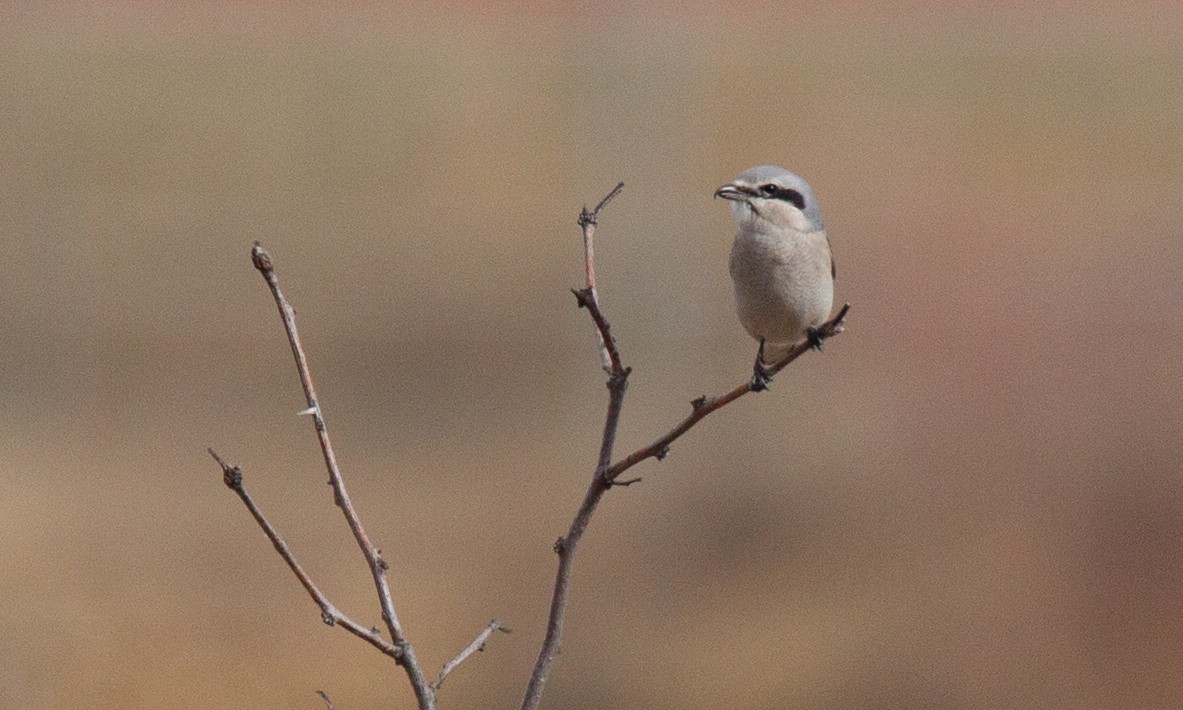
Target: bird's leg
column 760, row 377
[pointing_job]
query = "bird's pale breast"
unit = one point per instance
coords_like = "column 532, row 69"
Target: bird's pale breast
column 783, row 283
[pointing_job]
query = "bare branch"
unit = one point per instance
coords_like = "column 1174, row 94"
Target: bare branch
column 232, row 477
column 587, row 299
column 617, row 386
column 588, row 221
column 703, row 406
column 406, row 657
column 478, row 644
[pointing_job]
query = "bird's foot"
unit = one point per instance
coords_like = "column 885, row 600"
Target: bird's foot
column 815, row 336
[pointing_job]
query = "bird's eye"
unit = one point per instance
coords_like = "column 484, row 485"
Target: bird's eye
column 769, row 189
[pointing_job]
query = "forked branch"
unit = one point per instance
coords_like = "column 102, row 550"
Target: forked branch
column 606, row 473
column 406, row 657
column 232, row 477
column 398, row 648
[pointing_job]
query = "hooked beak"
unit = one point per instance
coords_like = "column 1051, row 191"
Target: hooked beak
column 736, row 193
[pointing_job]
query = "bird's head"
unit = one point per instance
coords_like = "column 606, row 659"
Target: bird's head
column 775, row 196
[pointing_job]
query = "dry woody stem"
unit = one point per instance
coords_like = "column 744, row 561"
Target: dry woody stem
column 605, row 477
column 398, row 648
column 606, row 473
column 478, row 644
column 406, row 656
column 232, row 477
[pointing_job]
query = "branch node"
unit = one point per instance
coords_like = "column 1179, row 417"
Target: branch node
column 583, row 296
column 698, row 402
column 400, row 652
column 231, row 475
column 662, row 453
column 328, row 617
column 590, row 218
column 560, row 546
column 625, row 484
column 617, row 378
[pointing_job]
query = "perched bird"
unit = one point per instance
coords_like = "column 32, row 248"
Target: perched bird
column 780, row 261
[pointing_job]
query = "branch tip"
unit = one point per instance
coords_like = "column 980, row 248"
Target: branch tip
column 231, row 475
column 325, row 697
column 608, row 198
column 260, row 258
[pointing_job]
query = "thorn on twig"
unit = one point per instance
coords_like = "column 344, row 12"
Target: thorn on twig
column 375, row 630
column 625, row 484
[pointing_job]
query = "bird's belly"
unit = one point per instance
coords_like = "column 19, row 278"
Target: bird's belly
column 780, row 292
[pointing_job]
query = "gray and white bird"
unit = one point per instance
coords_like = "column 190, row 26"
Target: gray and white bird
column 781, row 263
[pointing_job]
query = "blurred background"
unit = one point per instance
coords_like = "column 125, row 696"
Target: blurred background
column 972, row 499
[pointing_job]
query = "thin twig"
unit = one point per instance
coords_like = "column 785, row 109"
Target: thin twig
column 588, row 221
column 232, row 477
column 703, row 406
column 478, row 644
column 406, row 657
column 325, row 697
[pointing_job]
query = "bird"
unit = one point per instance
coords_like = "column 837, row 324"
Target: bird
column 781, row 264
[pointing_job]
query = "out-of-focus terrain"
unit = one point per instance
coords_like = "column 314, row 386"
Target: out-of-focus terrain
column 972, row 499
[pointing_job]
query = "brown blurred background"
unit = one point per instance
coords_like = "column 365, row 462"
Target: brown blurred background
column 972, row 499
